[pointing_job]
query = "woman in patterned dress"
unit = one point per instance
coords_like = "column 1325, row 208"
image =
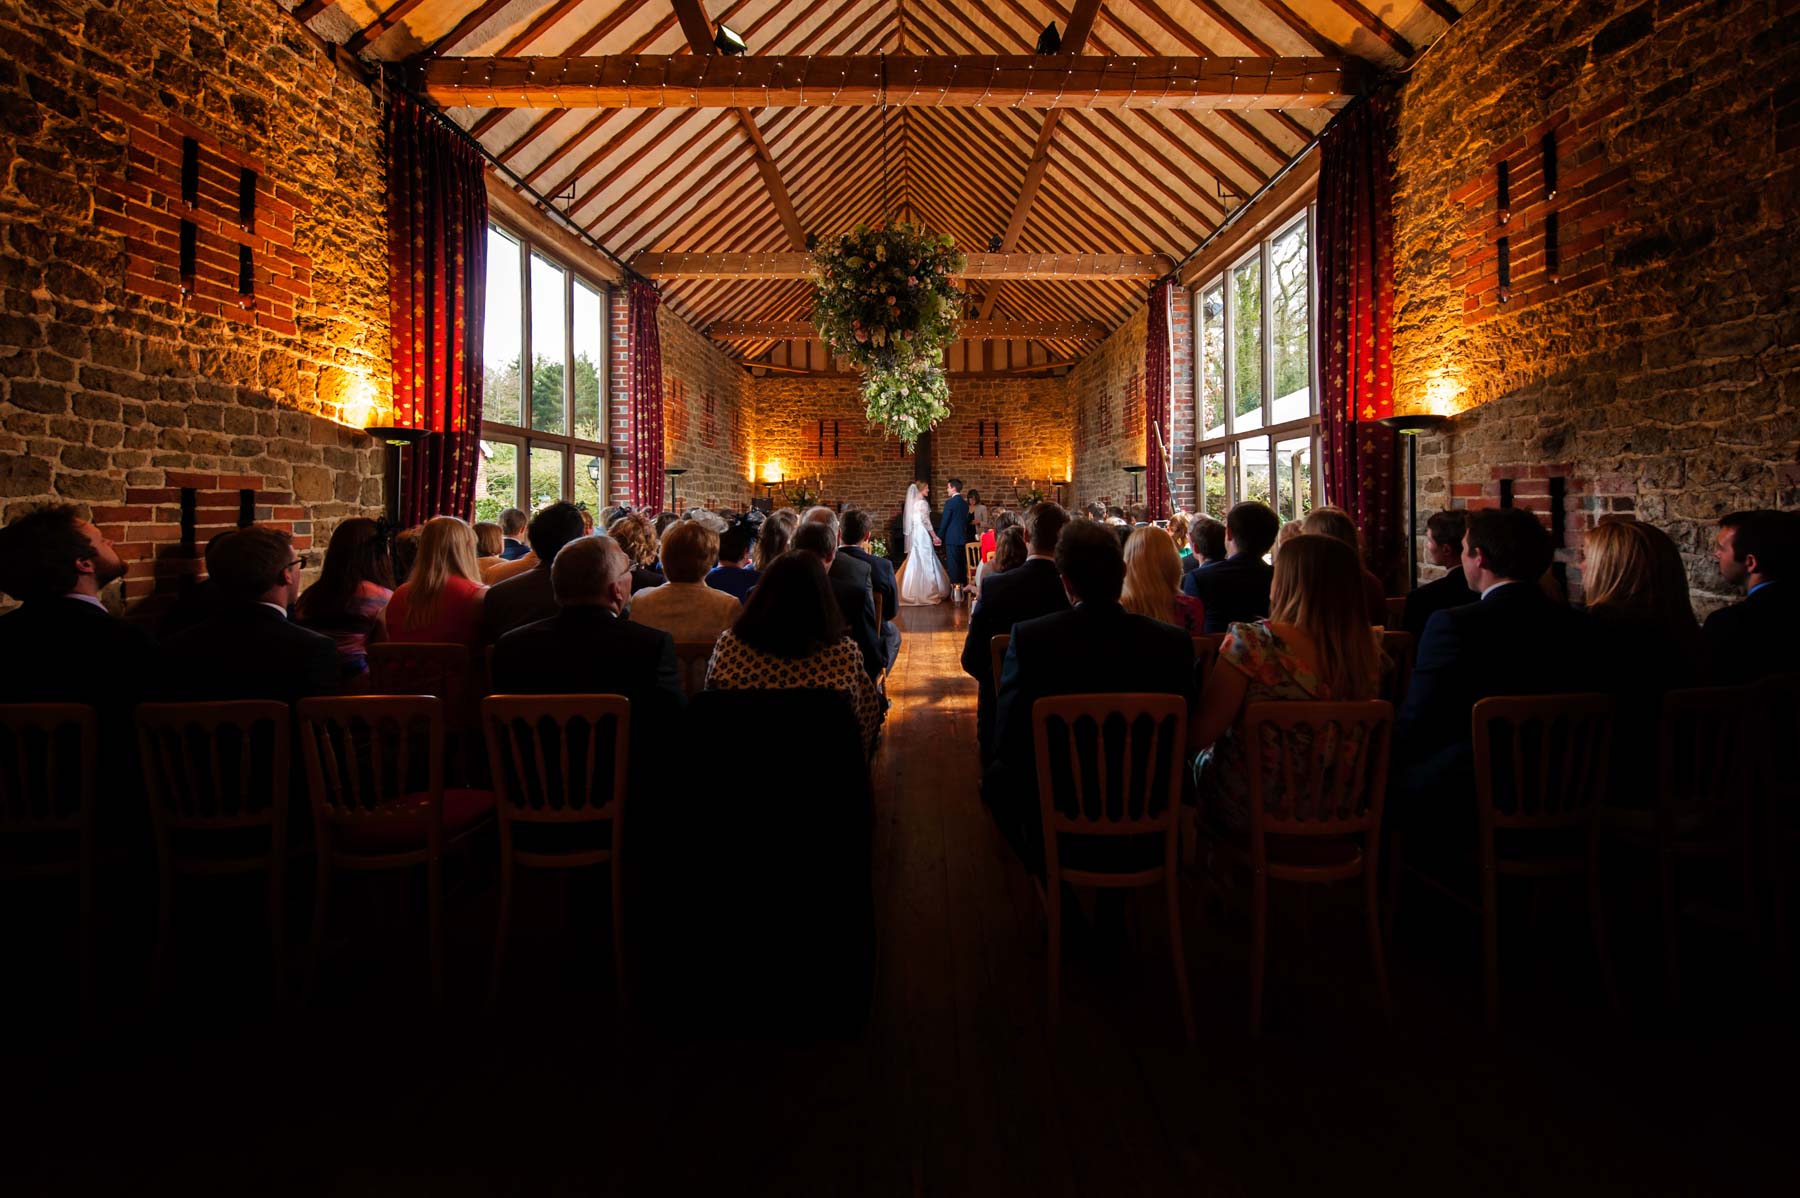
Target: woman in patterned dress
column 791, row 635
column 1317, row 644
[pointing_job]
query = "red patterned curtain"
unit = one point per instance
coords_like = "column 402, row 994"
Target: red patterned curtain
column 646, row 398
column 1356, row 310
column 437, row 291
column 1156, row 402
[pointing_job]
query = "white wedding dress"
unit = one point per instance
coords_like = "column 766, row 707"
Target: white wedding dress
column 923, row 581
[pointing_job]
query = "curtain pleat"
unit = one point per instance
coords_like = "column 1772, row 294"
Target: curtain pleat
column 1156, row 401
column 646, row 398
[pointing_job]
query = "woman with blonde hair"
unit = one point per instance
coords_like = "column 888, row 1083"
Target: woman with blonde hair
column 637, row 536
column 441, row 601
column 1336, row 523
column 776, row 534
column 1313, row 646
column 1153, row 581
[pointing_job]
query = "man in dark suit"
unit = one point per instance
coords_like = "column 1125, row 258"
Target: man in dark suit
column 842, row 565
column 1757, row 550
column 1512, row 641
column 586, row 648
column 248, row 648
column 857, row 602
column 1033, row 589
column 853, row 536
column 953, row 531
column 1237, row 589
column 512, row 529
column 1443, row 547
column 1095, row 647
column 529, row 597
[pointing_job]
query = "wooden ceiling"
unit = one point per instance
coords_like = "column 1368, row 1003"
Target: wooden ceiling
column 1106, row 180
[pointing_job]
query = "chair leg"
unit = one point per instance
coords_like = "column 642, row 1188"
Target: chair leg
column 1490, row 948
column 1371, row 896
column 1053, row 905
column 506, row 883
column 1178, row 953
column 1671, row 948
column 1259, row 928
column 434, row 907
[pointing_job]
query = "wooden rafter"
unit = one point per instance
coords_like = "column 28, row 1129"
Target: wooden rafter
column 979, row 266
column 1445, row 10
column 360, row 40
column 786, row 81
column 970, row 330
column 1303, row 27
column 1377, row 26
column 308, row 9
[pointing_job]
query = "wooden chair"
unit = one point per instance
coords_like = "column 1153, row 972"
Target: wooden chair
column 1396, row 613
column 997, row 656
column 1077, row 798
column 445, row 671
column 972, row 555
column 560, row 764
column 694, row 657
column 1706, row 769
column 48, row 758
column 1399, row 648
column 375, row 773
column 1540, row 778
column 216, row 775
column 1317, row 820
column 1206, row 656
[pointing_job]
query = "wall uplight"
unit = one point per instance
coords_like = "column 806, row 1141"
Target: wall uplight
column 771, row 471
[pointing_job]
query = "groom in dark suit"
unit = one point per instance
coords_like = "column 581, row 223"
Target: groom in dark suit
column 953, row 531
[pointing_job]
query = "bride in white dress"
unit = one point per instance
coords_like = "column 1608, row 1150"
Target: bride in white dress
column 922, row 580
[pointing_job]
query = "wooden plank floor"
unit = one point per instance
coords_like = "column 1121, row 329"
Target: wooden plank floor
column 955, row 1086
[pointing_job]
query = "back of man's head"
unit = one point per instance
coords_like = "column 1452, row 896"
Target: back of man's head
column 817, row 538
column 585, row 569
column 1207, row 536
column 38, row 552
column 1252, row 527
column 1512, row 542
column 820, row 515
column 553, row 528
column 853, row 527
column 1771, row 537
column 1092, row 562
column 1043, row 524
column 512, row 522
column 250, row 563
column 1446, row 527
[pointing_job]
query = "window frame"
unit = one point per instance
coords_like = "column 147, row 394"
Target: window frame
column 576, row 451
column 1228, row 443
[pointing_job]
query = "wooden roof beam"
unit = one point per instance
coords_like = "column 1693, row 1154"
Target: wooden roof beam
column 976, row 80
column 789, row 265
column 969, row 330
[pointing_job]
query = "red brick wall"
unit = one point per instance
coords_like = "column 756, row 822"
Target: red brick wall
column 1106, row 391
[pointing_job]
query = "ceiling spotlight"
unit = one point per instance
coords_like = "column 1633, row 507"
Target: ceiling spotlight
column 729, row 40
column 995, row 243
column 1049, row 41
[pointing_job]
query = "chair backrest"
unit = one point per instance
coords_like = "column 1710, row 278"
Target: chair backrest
column 972, row 555
column 1317, row 769
column 558, row 759
column 48, row 758
column 1707, row 739
column 1399, row 648
column 693, row 658
column 1396, row 612
column 407, row 668
column 1109, row 764
column 1206, row 656
column 363, row 753
column 997, row 655
column 1541, row 760
column 214, row 766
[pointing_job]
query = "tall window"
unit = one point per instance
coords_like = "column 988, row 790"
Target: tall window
column 1257, row 403
column 543, row 431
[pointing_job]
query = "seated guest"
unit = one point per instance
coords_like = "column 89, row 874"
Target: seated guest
column 512, row 530
column 636, row 535
column 734, row 574
column 1512, row 641
column 856, row 602
column 62, row 645
column 1095, row 511
column 586, row 648
column 197, row 602
column 1031, row 590
column 1758, row 551
column 441, row 602
column 1153, row 581
column 1115, row 514
column 405, row 552
column 791, row 634
column 842, row 565
column 529, row 595
column 587, row 520
column 488, row 545
column 1443, row 547
column 1336, row 522
column 1289, row 531
column 1010, row 552
column 1208, row 539
column 1178, row 532
column 250, row 649
column 352, row 593
column 1095, row 647
column 661, row 525
column 1137, row 514
column 685, row 607
column 1312, row 647
column 990, row 543
column 773, row 539
column 853, row 534
column 1235, row 589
